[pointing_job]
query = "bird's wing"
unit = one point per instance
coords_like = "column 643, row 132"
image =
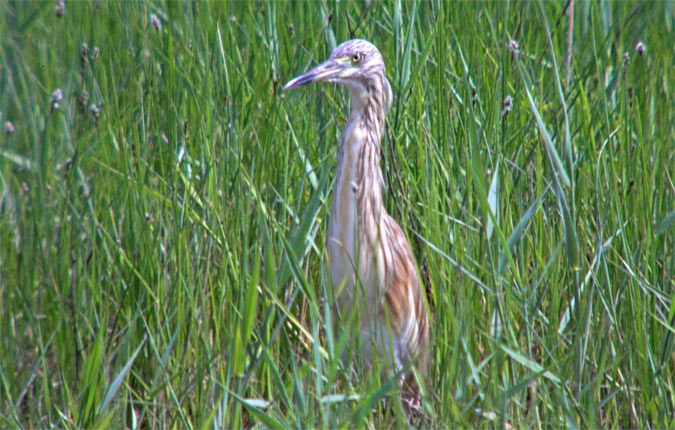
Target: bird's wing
column 403, row 296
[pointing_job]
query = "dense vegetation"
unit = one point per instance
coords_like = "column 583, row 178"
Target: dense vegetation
column 162, row 218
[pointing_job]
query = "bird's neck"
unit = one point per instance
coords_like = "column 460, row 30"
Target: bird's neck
column 367, row 123
column 358, row 186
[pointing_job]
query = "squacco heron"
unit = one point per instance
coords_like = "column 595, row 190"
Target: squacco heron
column 369, row 256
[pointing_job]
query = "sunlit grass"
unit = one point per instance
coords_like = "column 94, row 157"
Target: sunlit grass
column 162, row 231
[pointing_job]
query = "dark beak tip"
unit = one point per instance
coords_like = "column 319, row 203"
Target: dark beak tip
column 296, row 82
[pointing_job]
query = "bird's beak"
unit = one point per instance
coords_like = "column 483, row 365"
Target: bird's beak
column 325, row 71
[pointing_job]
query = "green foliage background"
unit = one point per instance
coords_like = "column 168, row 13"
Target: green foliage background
column 162, row 254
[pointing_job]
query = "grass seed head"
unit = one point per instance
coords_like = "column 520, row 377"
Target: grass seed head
column 65, row 166
column 60, row 8
column 155, row 22
column 9, row 128
column 83, row 98
column 95, row 111
column 508, row 105
column 513, row 47
column 55, row 100
column 84, row 50
column 640, row 48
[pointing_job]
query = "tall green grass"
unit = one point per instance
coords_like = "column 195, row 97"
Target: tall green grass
column 162, row 263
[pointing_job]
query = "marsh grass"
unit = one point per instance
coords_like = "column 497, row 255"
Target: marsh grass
column 162, row 263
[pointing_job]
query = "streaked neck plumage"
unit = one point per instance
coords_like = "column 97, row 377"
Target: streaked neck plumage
column 367, row 116
column 356, row 211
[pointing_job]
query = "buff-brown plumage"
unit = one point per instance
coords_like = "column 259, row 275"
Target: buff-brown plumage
column 372, row 267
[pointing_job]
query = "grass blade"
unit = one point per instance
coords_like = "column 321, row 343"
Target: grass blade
column 558, row 175
column 665, row 224
column 517, row 233
column 493, row 203
column 559, row 169
column 117, row 382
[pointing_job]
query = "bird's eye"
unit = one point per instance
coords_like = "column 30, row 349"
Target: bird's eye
column 356, row 58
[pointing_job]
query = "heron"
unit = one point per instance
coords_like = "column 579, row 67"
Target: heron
column 369, row 255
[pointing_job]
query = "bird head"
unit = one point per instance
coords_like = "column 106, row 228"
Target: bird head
column 356, row 64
